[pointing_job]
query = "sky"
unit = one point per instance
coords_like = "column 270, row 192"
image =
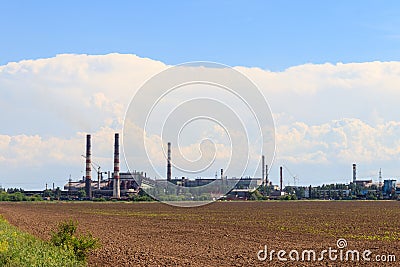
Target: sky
column 329, row 70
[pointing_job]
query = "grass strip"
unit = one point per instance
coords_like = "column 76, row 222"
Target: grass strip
column 21, row 249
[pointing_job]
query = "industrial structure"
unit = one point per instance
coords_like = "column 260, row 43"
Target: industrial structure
column 365, row 183
column 121, row 185
column 88, row 178
column 116, row 181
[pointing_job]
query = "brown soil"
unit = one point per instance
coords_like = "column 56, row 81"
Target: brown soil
column 219, row 234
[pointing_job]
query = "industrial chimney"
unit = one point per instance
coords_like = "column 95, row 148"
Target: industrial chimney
column 169, row 162
column 88, row 178
column 222, row 174
column 266, row 175
column 116, row 189
column 354, row 173
column 262, row 168
column 281, row 175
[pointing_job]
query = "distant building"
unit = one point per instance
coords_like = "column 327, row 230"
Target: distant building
column 128, row 184
column 389, row 187
column 363, row 183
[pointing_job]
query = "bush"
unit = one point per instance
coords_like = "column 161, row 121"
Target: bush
column 288, row 197
column 80, row 245
column 35, row 198
column 24, row 250
column 17, row 196
column 4, row 196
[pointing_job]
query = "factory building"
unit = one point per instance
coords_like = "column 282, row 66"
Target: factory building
column 363, row 183
column 389, row 187
column 119, row 185
column 127, row 184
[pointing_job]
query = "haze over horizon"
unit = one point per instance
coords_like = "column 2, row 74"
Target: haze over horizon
column 329, row 74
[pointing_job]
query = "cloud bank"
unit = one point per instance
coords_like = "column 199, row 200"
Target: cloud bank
column 327, row 116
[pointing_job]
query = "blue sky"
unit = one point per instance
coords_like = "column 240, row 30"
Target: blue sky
column 328, row 114
column 268, row 34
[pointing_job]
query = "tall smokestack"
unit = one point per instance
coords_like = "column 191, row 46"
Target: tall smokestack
column 116, row 189
column 281, row 175
column 354, row 173
column 266, row 175
column 222, row 174
column 169, row 162
column 88, row 178
column 262, row 168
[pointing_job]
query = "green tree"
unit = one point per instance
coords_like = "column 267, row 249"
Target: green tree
column 256, row 195
column 57, row 193
column 82, row 193
column 17, row 196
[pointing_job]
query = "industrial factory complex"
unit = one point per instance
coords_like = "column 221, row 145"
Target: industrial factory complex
column 125, row 185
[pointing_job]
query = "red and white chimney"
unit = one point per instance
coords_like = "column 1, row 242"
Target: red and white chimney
column 88, row 177
column 116, row 187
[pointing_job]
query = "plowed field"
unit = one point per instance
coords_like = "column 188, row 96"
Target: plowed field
column 222, row 233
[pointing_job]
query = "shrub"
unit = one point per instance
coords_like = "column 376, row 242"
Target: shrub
column 24, row 250
column 17, row 196
column 4, row 196
column 80, row 245
column 35, row 198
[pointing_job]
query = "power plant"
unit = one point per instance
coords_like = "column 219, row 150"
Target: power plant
column 120, row 185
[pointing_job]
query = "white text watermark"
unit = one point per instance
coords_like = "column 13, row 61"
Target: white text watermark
column 338, row 253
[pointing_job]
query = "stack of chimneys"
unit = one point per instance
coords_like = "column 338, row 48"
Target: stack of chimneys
column 169, row 163
column 116, row 184
column 88, row 178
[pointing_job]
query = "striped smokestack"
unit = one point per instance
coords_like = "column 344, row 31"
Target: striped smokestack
column 281, row 175
column 116, row 189
column 88, row 177
column 169, row 162
column 354, row 173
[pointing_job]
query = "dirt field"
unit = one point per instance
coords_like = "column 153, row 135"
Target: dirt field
column 221, row 234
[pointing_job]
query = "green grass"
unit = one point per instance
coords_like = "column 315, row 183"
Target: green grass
column 22, row 249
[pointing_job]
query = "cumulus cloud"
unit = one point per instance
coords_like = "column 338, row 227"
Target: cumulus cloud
column 325, row 114
column 343, row 141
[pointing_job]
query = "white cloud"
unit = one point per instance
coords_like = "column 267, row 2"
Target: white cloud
column 325, row 114
column 344, row 141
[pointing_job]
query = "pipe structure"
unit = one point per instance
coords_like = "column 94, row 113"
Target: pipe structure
column 169, row 173
column 88, row 178
column 266, row 175
column 116, row 189
column 354, row 173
